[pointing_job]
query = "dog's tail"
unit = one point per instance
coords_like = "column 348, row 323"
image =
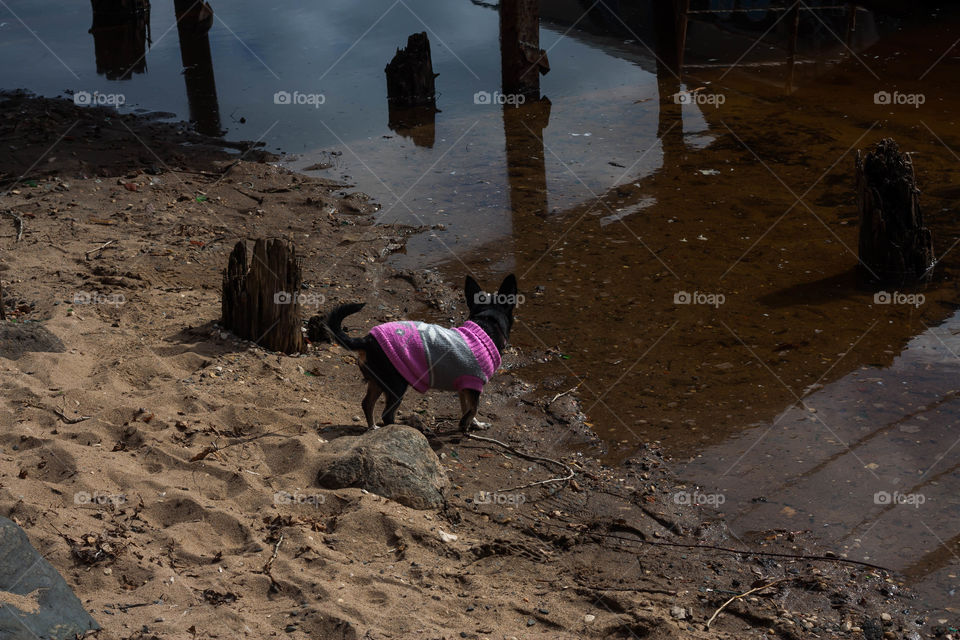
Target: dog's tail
column 335, row 318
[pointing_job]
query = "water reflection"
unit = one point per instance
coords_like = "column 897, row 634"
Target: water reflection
column 864, row 462
column 194, row 19
column 121, row 36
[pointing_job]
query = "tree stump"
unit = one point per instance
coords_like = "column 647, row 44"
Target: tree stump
column 262, row 303
column 410, row 76
column 522, row 61
column 894, row 244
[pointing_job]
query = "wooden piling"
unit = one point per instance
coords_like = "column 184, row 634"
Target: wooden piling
column 522, row 61
column 411, row 81
column 894, row 245
column 262, row 303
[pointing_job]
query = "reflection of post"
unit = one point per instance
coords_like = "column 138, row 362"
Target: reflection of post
column 523, row 128
column 194, row 19
column 416, row 123
column 794, row 22
column 671, row 18
column 120, row 33
column 669, row 54
column 521, row 58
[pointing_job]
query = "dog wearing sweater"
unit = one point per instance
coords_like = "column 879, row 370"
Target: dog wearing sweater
column 396, row 355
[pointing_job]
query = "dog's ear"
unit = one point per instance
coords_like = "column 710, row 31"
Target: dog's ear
column 508, row 291
column 472, row 290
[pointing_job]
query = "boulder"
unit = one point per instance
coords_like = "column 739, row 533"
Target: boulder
column 35, row 601
column 395, row 462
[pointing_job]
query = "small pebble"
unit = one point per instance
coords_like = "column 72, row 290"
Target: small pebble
column 589, row 618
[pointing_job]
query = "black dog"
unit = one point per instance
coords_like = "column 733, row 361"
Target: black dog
column 397, row 354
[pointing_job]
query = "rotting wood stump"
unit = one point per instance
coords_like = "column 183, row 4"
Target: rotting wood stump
column 411, row 81
column 895, row 246
column 522, row 61
column 262, row 303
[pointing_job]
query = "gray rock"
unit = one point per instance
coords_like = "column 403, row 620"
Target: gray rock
column 38, row 603
column 395, row 462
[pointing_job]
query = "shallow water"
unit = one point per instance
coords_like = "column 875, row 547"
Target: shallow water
column 792, row 391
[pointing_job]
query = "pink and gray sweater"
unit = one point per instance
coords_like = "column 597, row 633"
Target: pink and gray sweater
column 430, row 356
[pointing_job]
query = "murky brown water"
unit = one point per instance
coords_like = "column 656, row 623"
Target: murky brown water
column 784, row 388
column 799, row 400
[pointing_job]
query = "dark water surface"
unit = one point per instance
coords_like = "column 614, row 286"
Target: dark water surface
column 787, row 390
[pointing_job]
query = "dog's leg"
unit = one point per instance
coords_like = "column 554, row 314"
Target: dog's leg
column 469, row 401
column 394, row 397
column 370, row 401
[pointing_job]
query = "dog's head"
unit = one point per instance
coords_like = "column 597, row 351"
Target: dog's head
column 493, row 311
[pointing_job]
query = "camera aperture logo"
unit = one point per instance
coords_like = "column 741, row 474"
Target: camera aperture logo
column 699, row 499
column 310, row 99
column 899, row 99
column 493, row 497
column 700, row 98
column 912, row 299
column 303, row 299
column 285, row 497
column 99, row 499
column 485, row 97
column 97, row 99
column 698, row 297
column 897, row 498
column 92, row 297
column 509, row 299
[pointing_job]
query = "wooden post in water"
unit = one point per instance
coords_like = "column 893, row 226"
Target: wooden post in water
column 522, row 61
column 410, row 76
column 411, row 92
column 895, row 246
column 262, row 303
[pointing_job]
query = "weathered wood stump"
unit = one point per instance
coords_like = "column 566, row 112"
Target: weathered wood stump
column 262, row 303
column 894, row 245
column 411, row 81
column 522, row 61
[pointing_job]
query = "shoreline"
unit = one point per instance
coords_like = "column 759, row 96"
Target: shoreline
column 161, row 382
